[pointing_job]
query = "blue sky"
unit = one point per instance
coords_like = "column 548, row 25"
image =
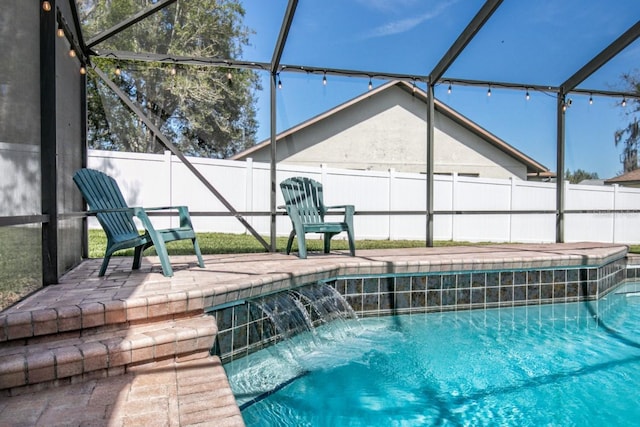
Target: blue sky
column 540, row 42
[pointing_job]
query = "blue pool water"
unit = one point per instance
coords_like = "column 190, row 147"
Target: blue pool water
column 561, row 364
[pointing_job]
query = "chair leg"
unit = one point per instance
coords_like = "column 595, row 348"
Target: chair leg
column 161, row 250
column 196, row 247
column 103, row 267
column 290, row 241
column 137, row 256
column 327, row 242
column 302, row 246
column 352, row 244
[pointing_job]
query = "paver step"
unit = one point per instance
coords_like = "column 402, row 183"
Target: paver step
column 60, row 359
column 17, row 323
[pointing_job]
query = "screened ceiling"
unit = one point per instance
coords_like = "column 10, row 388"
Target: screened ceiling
column 527, row 43
column 468, row 47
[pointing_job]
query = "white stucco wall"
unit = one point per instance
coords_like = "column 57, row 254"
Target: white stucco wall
column 388, row 130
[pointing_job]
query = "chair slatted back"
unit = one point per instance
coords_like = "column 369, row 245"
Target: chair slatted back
column 305, row 196
column 102, row 192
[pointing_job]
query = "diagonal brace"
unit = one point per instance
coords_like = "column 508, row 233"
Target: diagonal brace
column 169, row 145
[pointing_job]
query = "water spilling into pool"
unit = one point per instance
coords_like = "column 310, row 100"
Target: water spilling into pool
column 560, row 364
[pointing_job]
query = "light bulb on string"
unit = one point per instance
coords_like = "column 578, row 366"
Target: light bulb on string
column 324, row 79
column 279, row 82
column 83, row 70
column 590, row 99
column 229, row 76
column 173, row 71
column 449, row 89
column 414, row 88
column 46, row 6
column 527, row 96
column 60, row 32
column 72, row 53
column 118, row 71
column 370, row 84
column 489, row 91
column 624, row 102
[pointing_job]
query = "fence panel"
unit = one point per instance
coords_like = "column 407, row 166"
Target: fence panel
column 160, row 180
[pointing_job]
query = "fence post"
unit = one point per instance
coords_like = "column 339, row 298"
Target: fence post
column 392, row 182
column 511, row 197
column 454, row 204
column 613, row 219
column 249, row 189
column 167, row 161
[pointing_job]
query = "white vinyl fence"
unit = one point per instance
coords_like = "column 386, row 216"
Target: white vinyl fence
column 162, row 180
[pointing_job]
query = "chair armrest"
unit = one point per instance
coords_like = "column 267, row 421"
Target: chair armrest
column 99, row 211
column 163, row 208
column 349, row 211
column 339, row 207
column 183, row 213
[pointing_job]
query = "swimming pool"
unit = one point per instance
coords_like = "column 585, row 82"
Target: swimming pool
column 549, row 364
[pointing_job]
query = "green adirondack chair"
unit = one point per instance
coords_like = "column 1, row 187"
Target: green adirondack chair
column 305, row 206
column 105, row 200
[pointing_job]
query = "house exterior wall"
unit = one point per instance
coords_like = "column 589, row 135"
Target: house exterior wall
column 388, row 131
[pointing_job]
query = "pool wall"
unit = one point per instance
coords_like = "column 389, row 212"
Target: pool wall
column 243, row 328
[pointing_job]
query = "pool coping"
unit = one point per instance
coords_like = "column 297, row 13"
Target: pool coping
column 85, row 306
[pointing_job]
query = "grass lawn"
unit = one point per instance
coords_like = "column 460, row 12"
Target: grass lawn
column 222, row 243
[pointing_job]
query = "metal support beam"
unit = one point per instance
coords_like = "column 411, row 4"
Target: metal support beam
column 48, row 157
column 275, row 63
column 128, row 22
column 169, row 145
column 78, row 27
column 288, row 68
column 430, row 161
column 602, row 58
column 560, row 196
column 284, row 34
column 465, row 37
column 272, row 187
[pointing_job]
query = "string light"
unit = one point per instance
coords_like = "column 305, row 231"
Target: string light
column 83, row 70
column 72, row 53
column 449, row 89
column 229, row 76
column 46, row 6
column 173, row 71
column 324, row 79
column 118, row 71
column 590, row 99
column 414, row 88
column 624, row 102
column 60, row 32
column 370, row 84
column 279, row 82
column 489, row 91
column 526, row 95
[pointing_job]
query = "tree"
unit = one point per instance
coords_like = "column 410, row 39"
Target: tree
column 630, row 135
column 205, row 111
column 579, row 175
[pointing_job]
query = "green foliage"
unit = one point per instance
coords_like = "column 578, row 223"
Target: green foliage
column 579, row 175
column 20, row 261
column 200, row 110
column 630, row 135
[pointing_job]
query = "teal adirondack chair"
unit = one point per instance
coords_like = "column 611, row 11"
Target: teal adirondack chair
column 305, row 206
column 105, row 200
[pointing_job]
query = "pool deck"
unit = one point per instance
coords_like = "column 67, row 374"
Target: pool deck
column 131, row 348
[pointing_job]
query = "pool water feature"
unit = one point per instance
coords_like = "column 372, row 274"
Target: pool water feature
column 550, row 364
